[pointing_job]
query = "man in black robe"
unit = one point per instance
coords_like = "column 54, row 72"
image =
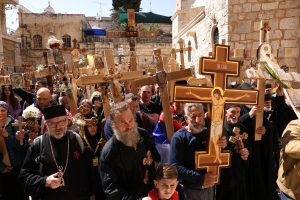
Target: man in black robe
column 233, row 179
column 56, row 166
column 128, row 159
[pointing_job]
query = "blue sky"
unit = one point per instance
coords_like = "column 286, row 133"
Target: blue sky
column 87, row 7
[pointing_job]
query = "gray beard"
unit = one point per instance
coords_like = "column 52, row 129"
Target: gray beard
column 129, row 138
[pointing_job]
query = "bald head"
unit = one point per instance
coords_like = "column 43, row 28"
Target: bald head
column 146, row 93
column 43, row 97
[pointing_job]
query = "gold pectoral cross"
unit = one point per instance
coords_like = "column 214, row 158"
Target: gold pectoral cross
column 147, row 161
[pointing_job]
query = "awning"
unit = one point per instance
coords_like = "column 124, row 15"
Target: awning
column 146, row 17
column 95, row 31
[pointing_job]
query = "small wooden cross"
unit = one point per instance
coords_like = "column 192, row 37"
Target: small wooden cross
column 161, row 78
column 220, row 67
column 20, row 124
column 238, row 138
column 74, row 43
column 181, row 51
column 264, row 32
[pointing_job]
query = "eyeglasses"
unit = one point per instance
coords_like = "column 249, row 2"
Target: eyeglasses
column 57, row 124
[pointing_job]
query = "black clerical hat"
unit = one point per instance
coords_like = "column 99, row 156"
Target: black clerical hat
column 54, row 111
column 228, row 106
column 268, row 97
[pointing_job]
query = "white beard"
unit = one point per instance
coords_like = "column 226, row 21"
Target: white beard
column 267, row 109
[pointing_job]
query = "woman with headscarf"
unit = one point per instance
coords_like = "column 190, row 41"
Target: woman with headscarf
column 13, row 155
column 93, row 140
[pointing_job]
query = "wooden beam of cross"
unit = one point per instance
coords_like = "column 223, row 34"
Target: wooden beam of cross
column 161, row 78
column 20, row 124
column 111, row 77
column 220, row 67
column 181, row 51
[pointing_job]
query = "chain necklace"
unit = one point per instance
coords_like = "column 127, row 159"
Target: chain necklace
column 60, row 168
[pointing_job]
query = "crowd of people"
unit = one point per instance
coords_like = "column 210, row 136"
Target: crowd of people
column 127, row 154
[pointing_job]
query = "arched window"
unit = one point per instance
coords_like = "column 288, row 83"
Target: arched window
column 215, row 35
column 67, row 41
column 37, row 42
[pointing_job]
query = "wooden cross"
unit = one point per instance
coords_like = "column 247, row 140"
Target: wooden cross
column 131, row 33
column 237, row 139
column 20, row 124
column 111, row 78
column 264, row 32
column 3, row 150
column 220, row 67
column 161, row 78
column 74, row 43
column 181, row 51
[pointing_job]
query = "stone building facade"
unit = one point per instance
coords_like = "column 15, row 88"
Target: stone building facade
column 205, row 22
column 35, row 28
column 9, row 44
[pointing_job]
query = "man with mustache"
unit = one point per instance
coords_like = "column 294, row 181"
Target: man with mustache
column 128, row 159
column 198, row 184
column 233, row 179
column 56, row 165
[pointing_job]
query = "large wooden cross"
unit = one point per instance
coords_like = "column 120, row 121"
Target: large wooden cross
column 161, row 78
column 220, row 67
column 110, row 78
column 131, row 33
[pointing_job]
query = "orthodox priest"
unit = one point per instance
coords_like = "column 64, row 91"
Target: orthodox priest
column 56, row 166
column 128, row 159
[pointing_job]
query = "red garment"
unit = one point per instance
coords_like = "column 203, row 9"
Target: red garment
column 153, row 194
column 176, row 124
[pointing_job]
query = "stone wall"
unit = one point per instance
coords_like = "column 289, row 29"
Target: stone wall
column 283, row 17
column 199, row 29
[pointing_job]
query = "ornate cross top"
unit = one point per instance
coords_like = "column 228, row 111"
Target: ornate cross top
column 264, row 32
column 20, row 124
column 219, row 67
column 238, row 138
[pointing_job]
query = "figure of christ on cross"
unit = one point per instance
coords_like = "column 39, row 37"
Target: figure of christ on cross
column 218, row 102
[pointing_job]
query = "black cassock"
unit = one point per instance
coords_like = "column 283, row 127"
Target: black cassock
column 233, row 179
column 122, row 170
column 261, row 174
column 77, row 176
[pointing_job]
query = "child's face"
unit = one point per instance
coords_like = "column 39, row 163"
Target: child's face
column 166, row 187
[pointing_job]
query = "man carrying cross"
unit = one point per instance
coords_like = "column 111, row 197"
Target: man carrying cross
column 233, row 180
column 185, row 142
